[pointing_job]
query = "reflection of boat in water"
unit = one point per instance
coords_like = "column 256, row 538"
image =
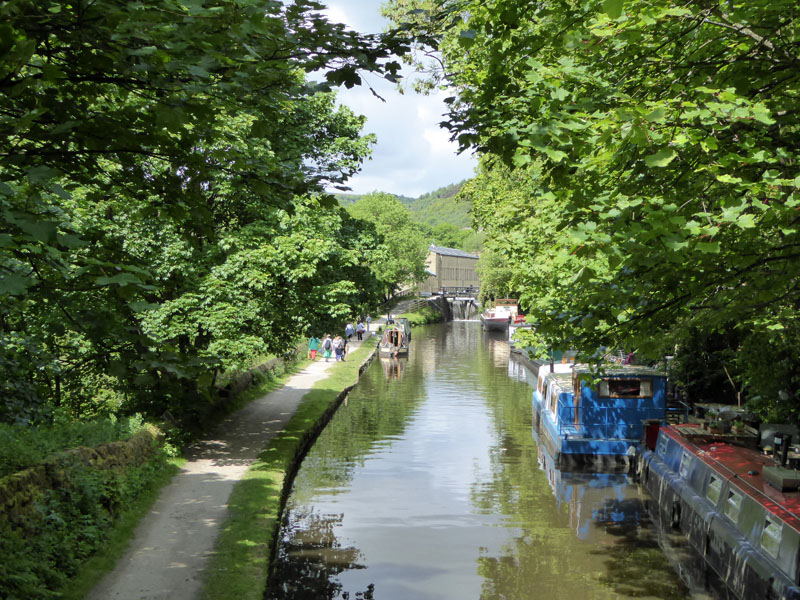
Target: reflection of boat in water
column 395, row 339
column 594, row 501
column 600, row 426
column 738, row 508
column 392, row 369
column 499, row 317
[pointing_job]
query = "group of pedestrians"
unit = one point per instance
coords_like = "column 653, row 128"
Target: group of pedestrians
column 337, row 347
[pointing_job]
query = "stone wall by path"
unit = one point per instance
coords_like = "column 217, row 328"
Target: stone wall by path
column 19, row 491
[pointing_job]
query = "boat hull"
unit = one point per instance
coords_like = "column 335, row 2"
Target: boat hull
column 495, row 323
column 596, row 432
column 603, row 456
column 693, row 496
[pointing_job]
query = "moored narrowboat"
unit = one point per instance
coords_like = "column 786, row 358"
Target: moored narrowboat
column 395, row 340
column 596, row 424
column 738, row 508
column 500, row 316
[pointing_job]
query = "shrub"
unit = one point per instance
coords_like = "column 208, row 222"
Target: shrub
column 66, row 524
column 24, row 446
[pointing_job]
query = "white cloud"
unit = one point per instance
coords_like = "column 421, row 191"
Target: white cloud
column 413, row 154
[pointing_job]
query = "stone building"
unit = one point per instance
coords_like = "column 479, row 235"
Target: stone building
column 450, row 270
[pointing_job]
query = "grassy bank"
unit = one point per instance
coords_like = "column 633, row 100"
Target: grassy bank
column 238, row 570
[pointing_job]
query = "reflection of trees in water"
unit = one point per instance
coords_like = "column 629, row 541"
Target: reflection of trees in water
column 377, row 410
column 622, row 560
column 309, row 558
column 636, row 567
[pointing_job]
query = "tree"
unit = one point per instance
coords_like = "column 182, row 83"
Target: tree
column 662, row 140
column 405, row 248
column 156, row 164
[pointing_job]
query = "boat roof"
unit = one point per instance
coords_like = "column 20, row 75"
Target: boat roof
column 557, row 368
column 564, row 380
column 736, row 463
column 450, row 252
column 622, row 370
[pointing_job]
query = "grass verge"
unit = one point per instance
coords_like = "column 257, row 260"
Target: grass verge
column 238, row 570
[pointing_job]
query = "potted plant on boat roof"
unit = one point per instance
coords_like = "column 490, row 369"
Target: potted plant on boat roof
column 718, row 426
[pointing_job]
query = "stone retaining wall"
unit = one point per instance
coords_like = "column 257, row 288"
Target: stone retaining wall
column 19, row 491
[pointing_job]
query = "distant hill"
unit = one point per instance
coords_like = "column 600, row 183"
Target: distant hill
column 446, row 221
column 438, row 207
column 345, row 199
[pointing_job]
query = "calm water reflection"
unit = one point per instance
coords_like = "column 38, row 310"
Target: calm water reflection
column 429, row 485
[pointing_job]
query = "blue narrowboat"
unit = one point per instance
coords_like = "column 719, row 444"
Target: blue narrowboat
column 738, row 508
column 596, row 422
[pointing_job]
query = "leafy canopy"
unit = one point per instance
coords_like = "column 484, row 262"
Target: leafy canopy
column 161, row 165
column 659, row 144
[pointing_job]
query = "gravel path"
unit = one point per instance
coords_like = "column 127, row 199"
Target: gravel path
column 173, row 543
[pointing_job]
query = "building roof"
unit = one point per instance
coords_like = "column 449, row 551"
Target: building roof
column 450, row 252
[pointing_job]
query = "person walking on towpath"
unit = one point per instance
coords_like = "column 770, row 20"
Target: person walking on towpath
column 313, row 346
column 360, row 330
column 349, row 330
column 338, row 347
column 369, row 320
column 327, row 346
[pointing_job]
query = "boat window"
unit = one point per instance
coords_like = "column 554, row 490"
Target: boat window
column 662, row 445
column 733, row 505
column 686, row 465
column 541, row 384
column 553, row 398
column 625, row 388
column 771, row 536
column 714, row 489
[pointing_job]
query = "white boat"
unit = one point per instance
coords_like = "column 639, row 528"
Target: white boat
column 498, row 317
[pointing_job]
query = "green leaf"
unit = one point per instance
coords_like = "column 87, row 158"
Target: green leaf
column 42, row 174
column 661, row 158
column 656, row 114
column 613, row 8
column 728, row 179
column 14, row 284
column 122, row 279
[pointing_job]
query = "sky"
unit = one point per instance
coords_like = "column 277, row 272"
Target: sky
column 413, row 155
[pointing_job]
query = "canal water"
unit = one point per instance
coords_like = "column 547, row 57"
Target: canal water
column 428, row 484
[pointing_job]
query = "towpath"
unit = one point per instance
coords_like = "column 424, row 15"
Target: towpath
column 174, row 541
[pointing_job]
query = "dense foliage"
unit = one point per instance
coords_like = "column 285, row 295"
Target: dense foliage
column 160, row 170
column 67, row 524
column 402, row 260
column 657, row 145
